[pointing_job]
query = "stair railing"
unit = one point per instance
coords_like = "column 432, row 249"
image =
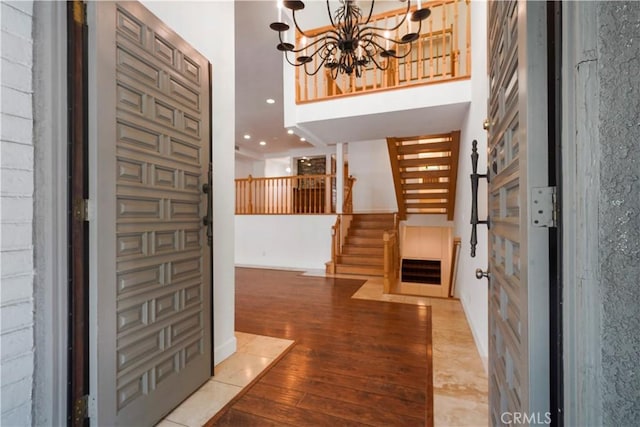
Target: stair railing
column 347, row 204
column 336, row 246
column 390, row 239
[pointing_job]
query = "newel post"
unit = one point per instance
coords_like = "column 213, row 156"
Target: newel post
column 388, row 260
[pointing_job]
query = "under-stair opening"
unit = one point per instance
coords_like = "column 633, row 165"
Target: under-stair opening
column 421, row 271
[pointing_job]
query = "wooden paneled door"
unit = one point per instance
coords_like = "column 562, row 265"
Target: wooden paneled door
column 518, row 244
column 149, row 260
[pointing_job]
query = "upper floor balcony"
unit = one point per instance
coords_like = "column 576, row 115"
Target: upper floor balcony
column 432, row 81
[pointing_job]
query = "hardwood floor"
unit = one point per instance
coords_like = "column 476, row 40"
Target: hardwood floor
column 355, row 362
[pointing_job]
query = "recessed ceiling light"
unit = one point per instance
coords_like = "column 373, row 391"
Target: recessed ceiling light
column 271, row 101
column 303, row 139
column 288, row 169
column 247, row 136
column 263, row 143
column 290, row 131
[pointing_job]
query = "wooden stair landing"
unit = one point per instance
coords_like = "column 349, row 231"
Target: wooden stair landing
column 363, row 250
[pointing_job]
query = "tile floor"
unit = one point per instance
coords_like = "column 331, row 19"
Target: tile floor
column 459, row 378
column 254, row 354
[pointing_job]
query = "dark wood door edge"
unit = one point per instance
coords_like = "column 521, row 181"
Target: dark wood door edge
column 78, row 350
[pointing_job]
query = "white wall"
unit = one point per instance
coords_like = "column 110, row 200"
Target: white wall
column 284, row 241
column 16, row 198
column 209, row 27
column 369, row 164
column 277, row 166
column 472, row 292
column 243, row 167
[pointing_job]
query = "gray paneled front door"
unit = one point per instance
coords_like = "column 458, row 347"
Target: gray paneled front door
column 518, row 250
column 150, row 262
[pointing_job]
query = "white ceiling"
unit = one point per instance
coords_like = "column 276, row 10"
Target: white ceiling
column 259, row 76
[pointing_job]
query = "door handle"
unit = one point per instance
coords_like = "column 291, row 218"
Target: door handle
column 208, row 218
column 480, row 274
column 475, row 176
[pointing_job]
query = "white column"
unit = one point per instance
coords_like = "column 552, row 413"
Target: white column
column 339, row 177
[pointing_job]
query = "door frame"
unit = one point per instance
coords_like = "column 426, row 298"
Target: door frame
column 554, row 98
column 50, row 218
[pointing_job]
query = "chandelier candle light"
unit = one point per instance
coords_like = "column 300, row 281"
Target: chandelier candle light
column 351, row 44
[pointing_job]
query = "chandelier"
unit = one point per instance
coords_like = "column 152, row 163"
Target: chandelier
column 352, row 43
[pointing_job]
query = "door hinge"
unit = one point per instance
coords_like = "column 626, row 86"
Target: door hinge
column 81, row 210
column 80, row 409
column 544, row 207
column 83, row 407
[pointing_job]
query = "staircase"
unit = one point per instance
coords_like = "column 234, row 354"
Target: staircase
column 424, row 173
column 363, row 250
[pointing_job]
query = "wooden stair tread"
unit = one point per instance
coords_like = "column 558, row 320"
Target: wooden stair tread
column 426, row 186
column 427, row 161
column 426, row 196
column 417, row 148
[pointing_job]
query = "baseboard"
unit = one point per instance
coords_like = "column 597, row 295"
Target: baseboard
column 224, row 350
column 482, row 352
column 275, row 267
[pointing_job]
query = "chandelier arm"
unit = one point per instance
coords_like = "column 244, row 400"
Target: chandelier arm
column 317, row 68
column 373, row 36
column 310, row 45
column 370, row 13
column 295, row 22
column 380, row 67
column 404, row 18
column 286, row 56
column 323, row 40
column 330, row 16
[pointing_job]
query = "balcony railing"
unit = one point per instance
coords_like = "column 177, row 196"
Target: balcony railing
column 442, row 53
column 291, row 195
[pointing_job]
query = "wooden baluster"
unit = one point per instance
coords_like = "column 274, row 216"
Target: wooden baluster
column 468, row 62
column 315, row 77
column 443, row 65
column 280, row 198
column 454, row 38
column 431, row 58
column 249, row 182
column 327, row 194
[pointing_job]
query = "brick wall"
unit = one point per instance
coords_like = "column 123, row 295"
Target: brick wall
column 16, row 213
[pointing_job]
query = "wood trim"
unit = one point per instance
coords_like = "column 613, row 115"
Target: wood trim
column 429, row 415
column 397, row 179
column 77, row 91
column 453, row 178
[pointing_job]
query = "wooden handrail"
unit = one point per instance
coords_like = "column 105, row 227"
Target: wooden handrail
column 336, row 247
column 397, row 180
column 347, row 204
column 436, row 56
column 285, row 195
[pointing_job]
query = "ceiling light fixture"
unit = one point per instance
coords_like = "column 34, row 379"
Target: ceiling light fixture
column 271, row 101
column 303, row 139
column 247, row 136
column 352, row 42
column 290, row 132
column 263, row 143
